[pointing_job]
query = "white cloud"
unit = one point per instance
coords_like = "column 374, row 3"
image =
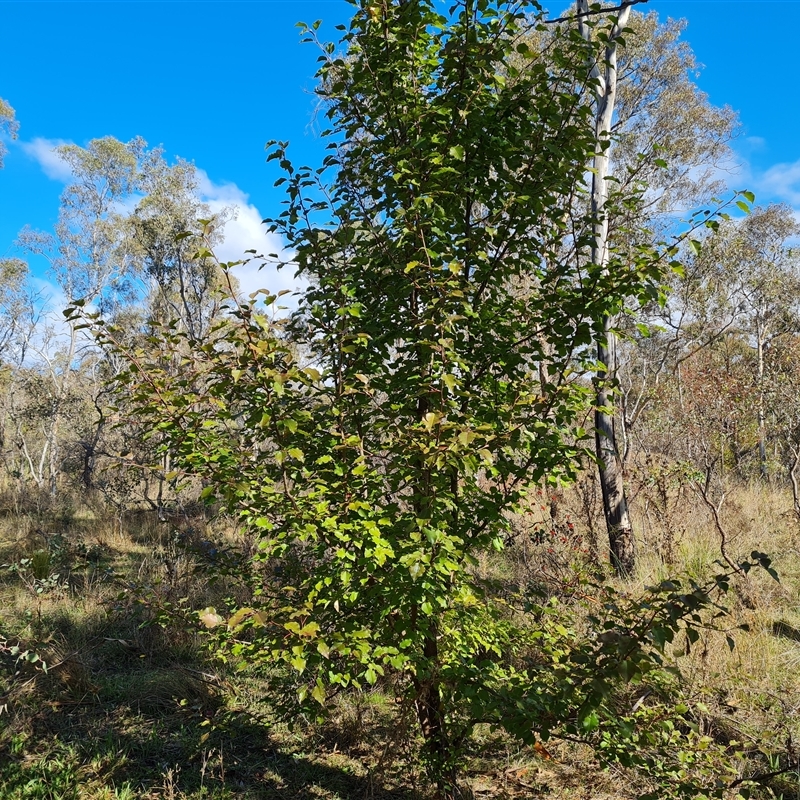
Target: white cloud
column 754, row 142
column 245, row 231
column 782, row 181
column 43, row 151
column 779, row 183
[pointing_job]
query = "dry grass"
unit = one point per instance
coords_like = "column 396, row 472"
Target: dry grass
column 130, row 709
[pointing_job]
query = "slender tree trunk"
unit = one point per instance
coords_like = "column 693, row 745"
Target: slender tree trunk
column 793, row 478
column 431, row 717
column 615, row 505
column 762, row 425
column 612, row 480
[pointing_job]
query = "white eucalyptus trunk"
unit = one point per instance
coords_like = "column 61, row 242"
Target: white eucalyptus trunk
column 615, row 505
column 762, row 422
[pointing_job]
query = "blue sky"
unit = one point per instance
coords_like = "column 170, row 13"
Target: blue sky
column 213, row 81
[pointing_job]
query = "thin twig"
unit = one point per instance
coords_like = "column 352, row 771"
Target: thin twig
column 702, row 491
column 763, row 777
column 594, row 12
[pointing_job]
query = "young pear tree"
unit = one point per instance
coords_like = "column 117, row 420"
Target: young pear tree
column 378, row 448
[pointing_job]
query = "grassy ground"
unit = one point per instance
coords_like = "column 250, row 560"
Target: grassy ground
column 130, row 709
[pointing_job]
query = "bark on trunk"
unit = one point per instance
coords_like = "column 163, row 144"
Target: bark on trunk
column 615, row 505
column 793, row 479
column 762, row 425
column 621, row 541
column 431, row 718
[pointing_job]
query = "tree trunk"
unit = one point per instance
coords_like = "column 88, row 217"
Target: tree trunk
column 793, row 478
column 431, row 718
column 621, row 540
column 762, row 425
column 615, row 505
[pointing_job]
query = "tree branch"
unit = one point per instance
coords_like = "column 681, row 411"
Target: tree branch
column 594, row 12
column 763, row 777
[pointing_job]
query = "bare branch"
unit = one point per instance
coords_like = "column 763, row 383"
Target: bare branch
column 594, row 12
column 703, row 493
column 763, row 777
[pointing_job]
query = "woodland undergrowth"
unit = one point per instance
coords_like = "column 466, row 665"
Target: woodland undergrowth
column 108, row 690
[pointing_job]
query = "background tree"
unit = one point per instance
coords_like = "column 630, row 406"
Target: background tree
column 659, row 144
column 8, row 124
column 765, row 271
column 182, row 287
column 120, row 245
column 603, row 73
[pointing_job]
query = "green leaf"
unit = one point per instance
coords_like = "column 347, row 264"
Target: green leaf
column 318, row 693
column 239, row 617
column 590, row 721
column 299, row 663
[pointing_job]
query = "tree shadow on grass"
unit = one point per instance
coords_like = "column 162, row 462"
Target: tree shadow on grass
column 168, row 755
column 129, row 702
column 129, row 705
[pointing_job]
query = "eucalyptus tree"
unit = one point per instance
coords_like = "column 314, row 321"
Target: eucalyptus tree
column 723, row 402
column 90, row 261
column 752, row 290
column 163, row 234
column 124, row 227
column 8, row 125
column 766, row 269
column 659, row 146
column 603, row 72
column 784, row 405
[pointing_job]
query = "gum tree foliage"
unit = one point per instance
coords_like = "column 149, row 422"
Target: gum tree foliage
column 89, row 259
column 8, row 125
column 761, row 268
column 114, row 246
column 88, row 255
column 724, row 335
column 661, row 145
column 669, row 140
column 181, row 288
column 378, row 448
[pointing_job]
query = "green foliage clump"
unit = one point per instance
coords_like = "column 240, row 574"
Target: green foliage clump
column 377, row 444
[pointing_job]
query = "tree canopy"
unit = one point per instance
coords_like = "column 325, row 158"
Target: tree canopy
column 379, row 440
